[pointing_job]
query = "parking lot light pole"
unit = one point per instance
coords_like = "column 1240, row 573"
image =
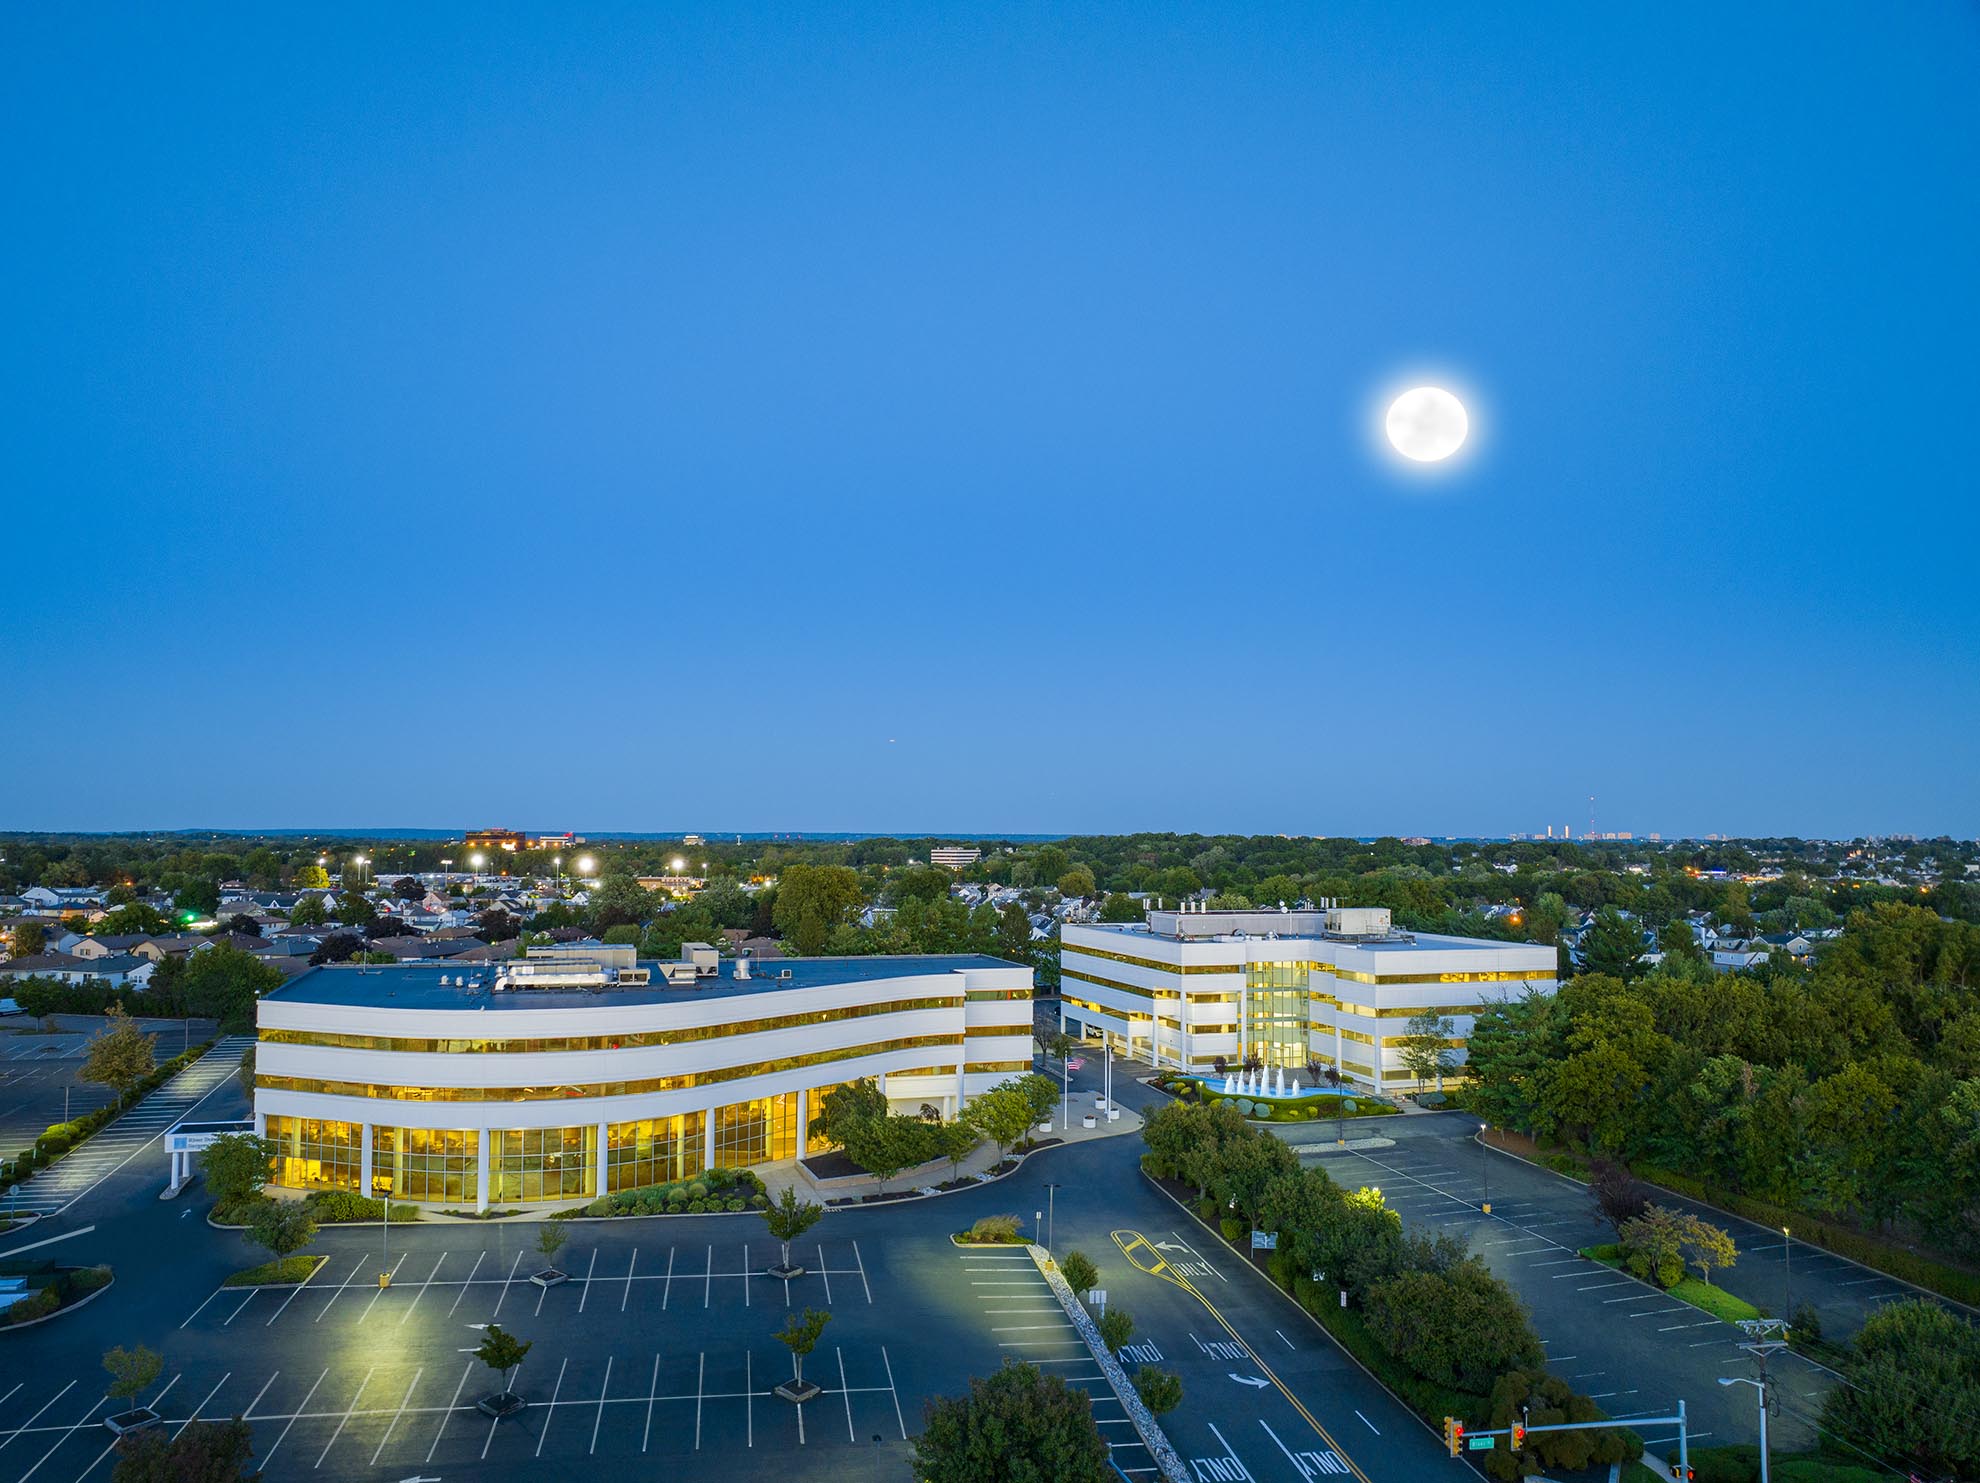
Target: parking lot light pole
column 1787, row 1270
column 1484, row 1170
column 1051, row 1209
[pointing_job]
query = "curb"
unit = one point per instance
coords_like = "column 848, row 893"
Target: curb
column 82, row 1302
column 1157, row 1441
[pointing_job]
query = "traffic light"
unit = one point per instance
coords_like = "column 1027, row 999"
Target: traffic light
column 1679, row 1470
column 1453, row 1435
column 1518, row 1435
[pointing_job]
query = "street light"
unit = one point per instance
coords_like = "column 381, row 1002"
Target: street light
column 1484, row 1171
column 585, row 864
column 1050, row 1205
column 1787, row 1271
column 1761, row 1386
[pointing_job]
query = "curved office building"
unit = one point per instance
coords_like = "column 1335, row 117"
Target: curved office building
column 578, row 1070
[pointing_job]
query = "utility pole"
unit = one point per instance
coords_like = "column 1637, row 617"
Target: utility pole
column 1764, row 1337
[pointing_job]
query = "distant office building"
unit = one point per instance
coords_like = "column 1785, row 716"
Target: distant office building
column 513, row 840
column 955, row 856
column 1337, row 986
column 581, row 1069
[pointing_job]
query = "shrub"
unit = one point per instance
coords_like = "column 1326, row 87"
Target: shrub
column 1233, row 1227
column 734, row 1205
column 697, row 1191
column 994, row 1229
column 342, row 1206
column 676, row 1207
column 38, row 1304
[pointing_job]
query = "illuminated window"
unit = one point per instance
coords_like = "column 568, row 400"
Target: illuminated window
column 313, row 1154
column 424, row 1163
column 542, row 1163
column 756, row 1132
column 654, row 1150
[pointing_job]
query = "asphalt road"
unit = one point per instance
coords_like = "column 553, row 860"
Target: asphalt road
column 36, row 1071
column 661, row 1348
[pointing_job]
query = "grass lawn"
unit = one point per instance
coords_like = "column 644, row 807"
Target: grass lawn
column 1714, row 1300
column 1636, row 1472
column 287, row 1270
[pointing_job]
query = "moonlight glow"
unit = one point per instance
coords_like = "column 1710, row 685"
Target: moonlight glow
column 1427, row 424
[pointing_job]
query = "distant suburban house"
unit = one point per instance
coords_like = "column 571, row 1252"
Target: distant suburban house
column 424, row 949
column 125, row 970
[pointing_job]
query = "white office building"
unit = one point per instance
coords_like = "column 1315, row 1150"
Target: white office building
column 1336, row 986
column 580, row 1071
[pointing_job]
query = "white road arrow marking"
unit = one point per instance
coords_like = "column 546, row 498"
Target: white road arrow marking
column 1248, row 1379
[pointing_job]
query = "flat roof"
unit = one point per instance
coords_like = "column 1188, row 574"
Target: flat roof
column 418, row 986
column 1407, row 942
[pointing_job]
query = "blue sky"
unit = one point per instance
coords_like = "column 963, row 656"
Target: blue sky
column 918, row 418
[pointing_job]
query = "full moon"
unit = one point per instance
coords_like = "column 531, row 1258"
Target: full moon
column 1427, row 424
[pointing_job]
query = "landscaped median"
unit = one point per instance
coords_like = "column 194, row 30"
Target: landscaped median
column 51, row 1289
column 1701, row 1295
column 285, row 1271
column 1166, row 1457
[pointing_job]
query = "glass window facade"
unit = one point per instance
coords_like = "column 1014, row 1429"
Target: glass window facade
column 425, row 1163
column 654, row 1150
column 542, row 1163
column 627, row 1041
column 387, row 1091
column 313, row 1154
column 759, row 1131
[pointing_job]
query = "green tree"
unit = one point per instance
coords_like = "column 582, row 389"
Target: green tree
column 131, row 1371
column 550, row 1239
column 800, row 1335
column 812, row 900
column 788, row 1218
column 121, row 1056
column 1540, row 1399
column 310, row 877
column 28, row 939
column 845, row 1107
column 1912, row 1389
column 1462, row 1328
column 236, row 1165
column 1015, row 1426
column 199, row 1452
column 1426, row 1046
column 1116, row 1328
column 1613, row 946
column 1160, row 1391
column 224, row 983
column 1077, row 881
column 1002, row 1114
column 955, row 1141
column 502, row 1351
column 618, row 900
column 1013, row 933
column 1653, row 1245
column 134, row 918
column 1119, row 907
column 885, row 1146
column 283, row 1226
column 1708, row 1247
column 1080, row 1273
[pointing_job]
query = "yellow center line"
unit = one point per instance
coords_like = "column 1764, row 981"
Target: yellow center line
column 1139, row 1250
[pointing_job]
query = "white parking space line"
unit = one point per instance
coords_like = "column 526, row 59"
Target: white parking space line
column 202, row 1405
column 862, row 1273
column 585, row 1296
column 293, row 1419
column 397, row 1416
column 700, row 1384
column 422, row 1290
column 448, row 1415
column 828, row 1284
column 468, row 1282
column 844, row 1393
column 708, row 1281
column 899, row 1420
column 383, row 1286
column 495, row 1421
column 629, row 1279
column 652, row 1389
column 29, row 1423
column 68, row 1432
column 347, row 1416
column 603, row 1390
column 505, row 1291
column 555, row 1391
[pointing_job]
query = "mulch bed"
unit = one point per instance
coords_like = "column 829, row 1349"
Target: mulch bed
column 830, row 1165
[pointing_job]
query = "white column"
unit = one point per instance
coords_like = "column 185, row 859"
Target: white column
column 260, row 1124
column 803, row 1121
column 708, row 1139
column 604, row 1151
column 364, row 1160
column 480, row 1168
